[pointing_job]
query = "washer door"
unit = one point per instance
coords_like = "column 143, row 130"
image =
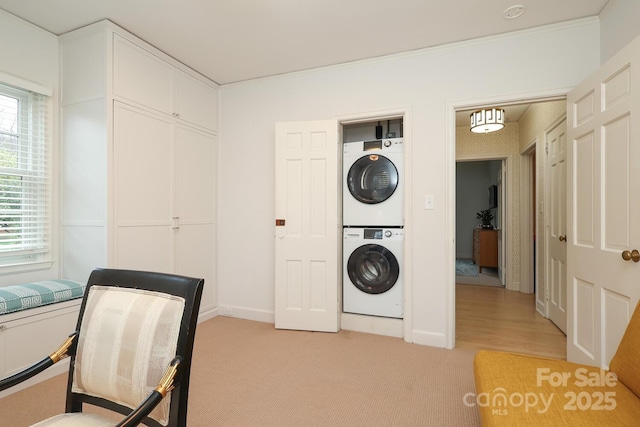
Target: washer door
column 373, row 269
column 372, row 179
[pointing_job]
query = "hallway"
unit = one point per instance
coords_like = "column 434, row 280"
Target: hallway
column 494, row 318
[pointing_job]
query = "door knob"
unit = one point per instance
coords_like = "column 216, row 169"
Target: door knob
column 563, row 238
column 634, row 255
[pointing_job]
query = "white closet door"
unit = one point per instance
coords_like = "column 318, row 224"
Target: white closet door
column 194, row 222
column 142, row 187
column 307, row 237
column 196, row 102
column 142, row 77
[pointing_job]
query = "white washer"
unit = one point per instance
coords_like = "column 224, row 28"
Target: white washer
column 372, row 271
column 373, row 183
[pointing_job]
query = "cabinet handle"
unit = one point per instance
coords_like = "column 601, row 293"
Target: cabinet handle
column 563, row 238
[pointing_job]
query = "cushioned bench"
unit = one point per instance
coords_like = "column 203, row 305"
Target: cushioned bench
column 30, row 295
column 34, row 319
column 519, row 390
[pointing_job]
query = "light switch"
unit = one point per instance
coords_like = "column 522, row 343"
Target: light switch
column 429, row 203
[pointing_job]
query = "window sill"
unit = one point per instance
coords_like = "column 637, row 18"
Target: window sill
column 25, row 267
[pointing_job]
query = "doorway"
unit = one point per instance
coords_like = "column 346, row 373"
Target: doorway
column 519, row 144
column 479, row 256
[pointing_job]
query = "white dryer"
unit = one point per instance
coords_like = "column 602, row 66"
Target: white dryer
column 373, row 182
column 372, row 271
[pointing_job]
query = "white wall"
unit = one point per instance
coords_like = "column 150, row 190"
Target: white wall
column 29, row 58
column 618, row 26
column 425, row 82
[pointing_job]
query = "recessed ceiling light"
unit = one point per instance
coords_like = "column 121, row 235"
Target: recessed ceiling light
column 513, row 12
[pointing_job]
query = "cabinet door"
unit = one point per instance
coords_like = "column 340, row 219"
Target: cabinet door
column 142, row 187
column 195, row 257
column 196, row 102
column 141, row 77
column 195, row 185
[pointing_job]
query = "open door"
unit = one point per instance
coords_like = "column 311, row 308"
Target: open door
column 603, row 130
column 307, row 234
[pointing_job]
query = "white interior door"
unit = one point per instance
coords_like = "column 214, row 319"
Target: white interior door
column 556, row 227
column 307, row 237
column 604, row 207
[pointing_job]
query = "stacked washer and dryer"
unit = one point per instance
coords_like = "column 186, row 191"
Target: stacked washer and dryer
column 373, row 220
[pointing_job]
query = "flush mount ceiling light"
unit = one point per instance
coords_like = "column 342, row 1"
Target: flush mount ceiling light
column 487, row 120
column 513, row 12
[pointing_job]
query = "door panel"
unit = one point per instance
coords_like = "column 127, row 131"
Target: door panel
column 147, row 248
column 142, row 157
column 604, row 162
column 195, row 257
column 141, row 77
column 195, row 175
column 306, row 235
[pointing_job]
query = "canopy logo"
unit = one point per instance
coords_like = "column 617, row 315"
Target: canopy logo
column 540, row 400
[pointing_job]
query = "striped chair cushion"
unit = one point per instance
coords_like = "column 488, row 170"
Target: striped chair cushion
column 30, row 295
column 127, row 339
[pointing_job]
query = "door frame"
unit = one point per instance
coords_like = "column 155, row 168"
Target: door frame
column 382, row 325
column 505, row 262
column 450, row 183
column 528, row 211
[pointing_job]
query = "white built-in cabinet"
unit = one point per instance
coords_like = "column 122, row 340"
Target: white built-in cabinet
column 164, row 87
column 139, row 159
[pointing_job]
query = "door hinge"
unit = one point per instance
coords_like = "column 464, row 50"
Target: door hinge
column 546, row 147
column 546, row 294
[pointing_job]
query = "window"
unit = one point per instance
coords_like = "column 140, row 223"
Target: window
column 24, row 183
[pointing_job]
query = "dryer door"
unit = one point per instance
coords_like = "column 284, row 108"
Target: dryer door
column 372, row 179
column 373, row 269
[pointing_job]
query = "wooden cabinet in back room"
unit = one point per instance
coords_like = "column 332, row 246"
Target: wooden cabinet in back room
column 485, row 248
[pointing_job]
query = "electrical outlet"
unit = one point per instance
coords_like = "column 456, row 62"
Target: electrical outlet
column 227, row 311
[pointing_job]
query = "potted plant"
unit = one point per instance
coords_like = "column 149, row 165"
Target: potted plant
column 485, row 217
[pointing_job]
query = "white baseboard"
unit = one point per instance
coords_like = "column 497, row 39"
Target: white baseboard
column 208, row 314
column 248, row 313
column 513, row 286
column 429, row 338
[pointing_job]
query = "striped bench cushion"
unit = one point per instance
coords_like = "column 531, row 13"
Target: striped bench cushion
column 30, row 295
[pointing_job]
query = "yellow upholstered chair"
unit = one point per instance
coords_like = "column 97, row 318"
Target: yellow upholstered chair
column 131, row 352
column 521, row 390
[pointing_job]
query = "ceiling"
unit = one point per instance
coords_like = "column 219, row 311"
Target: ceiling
column 235, row 40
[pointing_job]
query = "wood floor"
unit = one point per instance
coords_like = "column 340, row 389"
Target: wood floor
column 498, row 319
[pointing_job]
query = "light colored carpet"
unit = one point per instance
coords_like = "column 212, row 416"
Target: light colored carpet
column 247, row 373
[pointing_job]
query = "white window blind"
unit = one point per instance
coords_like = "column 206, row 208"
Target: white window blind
column 24, row 184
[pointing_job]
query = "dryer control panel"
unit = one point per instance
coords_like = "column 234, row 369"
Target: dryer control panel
column 373, row 233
